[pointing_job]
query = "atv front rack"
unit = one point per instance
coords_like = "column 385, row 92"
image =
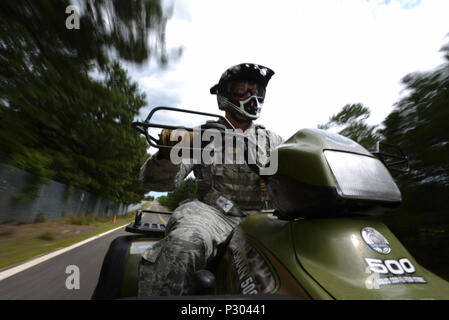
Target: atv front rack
column 143, row 127
column 149, row 229
column 223, row 126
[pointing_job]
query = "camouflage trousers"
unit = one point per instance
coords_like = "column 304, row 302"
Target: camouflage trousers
column 192, row 235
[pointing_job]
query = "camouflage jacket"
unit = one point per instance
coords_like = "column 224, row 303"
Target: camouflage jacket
column 232, row 188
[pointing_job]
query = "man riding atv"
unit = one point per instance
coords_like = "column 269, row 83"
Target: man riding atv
column 226, row 192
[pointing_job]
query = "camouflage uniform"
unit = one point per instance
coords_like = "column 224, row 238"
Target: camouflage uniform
column 226, row 194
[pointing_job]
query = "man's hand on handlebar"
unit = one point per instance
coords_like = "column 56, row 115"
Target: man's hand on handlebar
column 164, row 139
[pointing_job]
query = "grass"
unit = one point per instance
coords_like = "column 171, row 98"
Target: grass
column 6, row 233
column 48, row 235
column 86, row 219
column 20, row 243
column 20, row 252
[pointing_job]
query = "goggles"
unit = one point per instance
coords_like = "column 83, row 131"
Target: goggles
column 245, row 90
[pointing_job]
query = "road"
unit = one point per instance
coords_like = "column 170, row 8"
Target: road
column 47, row 280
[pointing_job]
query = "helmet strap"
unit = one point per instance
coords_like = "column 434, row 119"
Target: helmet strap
column 234, row 116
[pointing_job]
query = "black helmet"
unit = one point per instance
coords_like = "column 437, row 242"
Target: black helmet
column 251, row 81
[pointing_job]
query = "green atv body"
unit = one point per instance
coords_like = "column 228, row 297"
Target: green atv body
column 307, row 259
column 321, row 242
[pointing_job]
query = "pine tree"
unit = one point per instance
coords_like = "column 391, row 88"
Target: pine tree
column 351, row 123
column 57, row 121
column 418, row 124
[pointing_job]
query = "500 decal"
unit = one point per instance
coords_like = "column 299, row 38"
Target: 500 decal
column 248, row 286
column 399, row 269
column 396, row 267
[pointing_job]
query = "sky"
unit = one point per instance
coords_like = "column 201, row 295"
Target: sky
column 325, row 54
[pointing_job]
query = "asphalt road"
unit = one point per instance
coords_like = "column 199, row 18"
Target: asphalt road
column 47, row 280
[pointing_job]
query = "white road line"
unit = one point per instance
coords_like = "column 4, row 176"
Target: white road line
column 10, row 272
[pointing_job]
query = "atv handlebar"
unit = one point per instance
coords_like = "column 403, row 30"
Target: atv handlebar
column 143, row 127
column 224, row 127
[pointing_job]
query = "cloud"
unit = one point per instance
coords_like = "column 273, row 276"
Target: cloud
column 325, row 54
column 405, row 4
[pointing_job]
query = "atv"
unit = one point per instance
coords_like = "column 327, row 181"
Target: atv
column 322, row 241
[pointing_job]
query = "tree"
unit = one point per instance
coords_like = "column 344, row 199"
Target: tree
column 57, row 121
column 149, row 198
column 38, row 30
column 79, row 133
column 113, row 152
column 187, row 190
column 418, row 124
column 351, row 121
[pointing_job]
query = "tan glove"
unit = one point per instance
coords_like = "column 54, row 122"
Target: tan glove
column 164, row 139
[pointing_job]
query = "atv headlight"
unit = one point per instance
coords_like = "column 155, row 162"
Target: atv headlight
column 362, row 177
